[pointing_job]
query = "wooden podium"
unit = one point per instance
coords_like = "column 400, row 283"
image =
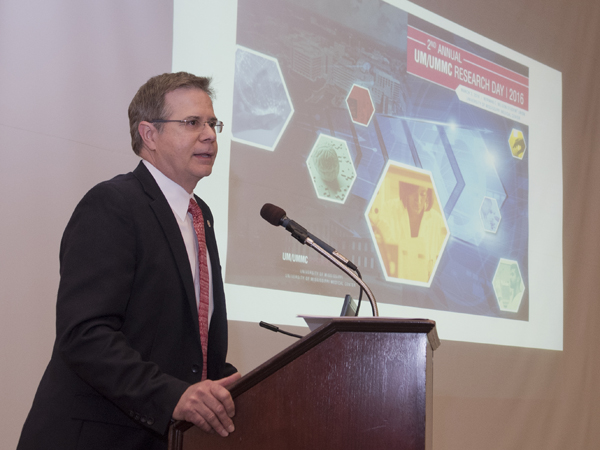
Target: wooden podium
column 354, row 383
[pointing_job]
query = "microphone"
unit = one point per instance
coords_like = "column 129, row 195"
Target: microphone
column 277, row 216
column 276, row 329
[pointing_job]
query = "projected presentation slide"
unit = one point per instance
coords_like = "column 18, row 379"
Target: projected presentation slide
column 403, row 141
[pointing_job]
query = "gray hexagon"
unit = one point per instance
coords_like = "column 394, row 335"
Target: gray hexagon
column 262, row 107
column 490, row 214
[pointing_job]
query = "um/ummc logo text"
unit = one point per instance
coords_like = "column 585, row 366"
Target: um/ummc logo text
column 294, row 257
column 433, row 62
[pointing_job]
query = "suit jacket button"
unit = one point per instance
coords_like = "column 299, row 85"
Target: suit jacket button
column 143, row 419
column 137, row 417
column 150, row 421
column 195, row 368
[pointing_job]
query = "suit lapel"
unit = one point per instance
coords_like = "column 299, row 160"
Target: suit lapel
column 209, row 232
column 167, row 221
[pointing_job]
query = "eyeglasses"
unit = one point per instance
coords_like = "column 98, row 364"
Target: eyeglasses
column 194, row 124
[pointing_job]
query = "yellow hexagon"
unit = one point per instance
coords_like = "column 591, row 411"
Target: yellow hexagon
column 408, row 224
column 516, row 141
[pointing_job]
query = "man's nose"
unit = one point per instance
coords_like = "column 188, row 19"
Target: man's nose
column 207, row 133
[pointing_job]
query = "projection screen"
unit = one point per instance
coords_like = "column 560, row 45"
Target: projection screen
column 423, row 152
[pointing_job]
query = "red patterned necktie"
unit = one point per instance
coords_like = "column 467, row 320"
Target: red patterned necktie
column 198, row 220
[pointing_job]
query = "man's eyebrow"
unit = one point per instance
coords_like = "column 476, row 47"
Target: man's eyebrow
column 210, row 119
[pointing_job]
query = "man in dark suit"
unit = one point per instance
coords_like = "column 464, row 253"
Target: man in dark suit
column 128, row 354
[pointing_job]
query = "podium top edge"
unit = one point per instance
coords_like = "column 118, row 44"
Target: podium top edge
column 382, row 325
column 333, row 326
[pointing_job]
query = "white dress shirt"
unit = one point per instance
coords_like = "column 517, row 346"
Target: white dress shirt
column 179, row 200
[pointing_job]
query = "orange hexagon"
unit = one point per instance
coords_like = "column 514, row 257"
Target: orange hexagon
column 360, row 105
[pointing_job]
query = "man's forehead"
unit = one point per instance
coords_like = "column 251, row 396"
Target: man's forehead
column 188, row 92
column 192, row 100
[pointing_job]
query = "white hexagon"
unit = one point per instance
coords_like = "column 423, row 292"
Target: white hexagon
column 331, row 169
column 508, row 285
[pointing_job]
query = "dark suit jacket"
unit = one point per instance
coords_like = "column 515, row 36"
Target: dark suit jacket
column 127, row 339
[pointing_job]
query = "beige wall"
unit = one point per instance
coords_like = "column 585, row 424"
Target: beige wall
column 67, row 72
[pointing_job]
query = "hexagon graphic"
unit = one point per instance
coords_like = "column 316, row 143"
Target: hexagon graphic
column 508, row 285
column 331, row 168
column 477, row 177
column 262, row 107
column 490, row 214
column 360, row 105
column 407, row 224
column 516, row 141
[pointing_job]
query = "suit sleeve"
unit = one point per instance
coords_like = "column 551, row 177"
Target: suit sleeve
column 99, row 256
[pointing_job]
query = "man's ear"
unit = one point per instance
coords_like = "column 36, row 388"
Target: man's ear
column 148, row 134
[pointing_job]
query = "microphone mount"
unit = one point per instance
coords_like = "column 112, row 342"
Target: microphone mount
column 348, row 272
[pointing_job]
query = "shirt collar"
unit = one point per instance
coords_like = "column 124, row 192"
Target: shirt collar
column 176, row 196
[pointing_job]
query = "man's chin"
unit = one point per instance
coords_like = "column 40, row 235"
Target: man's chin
column 204, row 172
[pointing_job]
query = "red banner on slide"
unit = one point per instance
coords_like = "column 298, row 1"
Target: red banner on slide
column 447, row 65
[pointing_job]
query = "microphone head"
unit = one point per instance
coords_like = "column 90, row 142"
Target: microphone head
column 272, row 214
